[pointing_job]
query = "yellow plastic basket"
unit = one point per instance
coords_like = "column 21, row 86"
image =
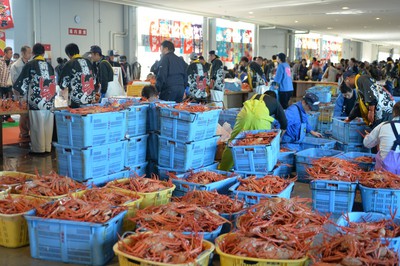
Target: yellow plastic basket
column 133, row 207
column 14, row 229
column 230, row 260
column 136, row 88
column 128, row 260
column 150, row 199
column 26, row 176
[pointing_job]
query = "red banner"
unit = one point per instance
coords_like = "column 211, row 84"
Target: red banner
column 6, row 21
column 2, row 42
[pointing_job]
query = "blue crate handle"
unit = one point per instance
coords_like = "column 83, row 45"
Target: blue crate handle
column 179, row 115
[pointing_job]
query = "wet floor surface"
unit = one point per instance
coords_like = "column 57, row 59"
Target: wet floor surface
column 17, row 158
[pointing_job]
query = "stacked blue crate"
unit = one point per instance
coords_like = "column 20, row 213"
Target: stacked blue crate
column 186, row 140
column 313, row 118
column 91, row 146
column 349, row 135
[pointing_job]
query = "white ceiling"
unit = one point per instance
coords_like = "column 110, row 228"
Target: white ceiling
column 377, row 21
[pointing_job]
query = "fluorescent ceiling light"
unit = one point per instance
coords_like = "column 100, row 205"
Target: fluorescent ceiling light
column 347, row 12
column 345, row 8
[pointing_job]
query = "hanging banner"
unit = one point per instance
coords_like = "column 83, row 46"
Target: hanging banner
column 232, row 44
column 2, row 42
column 6, row 21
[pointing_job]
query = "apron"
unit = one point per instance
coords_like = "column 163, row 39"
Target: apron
column 391, row 162
column 295, row 146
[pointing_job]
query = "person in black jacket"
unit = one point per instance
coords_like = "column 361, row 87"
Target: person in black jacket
column 171, row 76
column 77, row 76
column 102, row 69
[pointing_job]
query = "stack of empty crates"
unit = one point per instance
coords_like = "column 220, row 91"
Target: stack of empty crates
column 349, row 135
column 91, row 147
column 187, row 140
column 137, row 137
column 325, row 118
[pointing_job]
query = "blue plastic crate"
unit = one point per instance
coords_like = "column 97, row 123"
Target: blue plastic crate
column 152, row 146
column 255, row 158
column 283, row 171
column 304, row 160
column 162, row 171
column 232, row 217
column 136, row 117
column 117, row 156
column 313, row 118
column 252, row 198
column 323, row 92
column 101, row 181
column 73, row 242
column 183, row 156
column 232, row 86
column 287, row 157
column 351, row 147
column 348, row 132
column 350, row 156
column 209, row 236
column 153, row 115
column 82, row 131
column 91, row 162
column 136, row 149
column 183, row 187
column 383, row 200
column 139, row 169
column 323, row 127
column 228, row 116
column 333, row 196
column 320, row 143
column 362, row 217
column 186, row 126
column 120, row 100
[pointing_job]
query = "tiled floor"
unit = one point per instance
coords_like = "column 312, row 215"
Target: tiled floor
column 16, row 158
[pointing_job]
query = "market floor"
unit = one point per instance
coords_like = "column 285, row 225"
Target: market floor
column 17, row 158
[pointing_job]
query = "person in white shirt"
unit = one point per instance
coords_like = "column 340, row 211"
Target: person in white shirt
column 15, row 71
column 386, row 136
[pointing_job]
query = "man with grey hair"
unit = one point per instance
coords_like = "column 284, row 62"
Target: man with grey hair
column 5, row 79
column 15, row 71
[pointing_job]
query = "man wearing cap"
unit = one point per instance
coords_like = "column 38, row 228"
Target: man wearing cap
column 197, row 79
column 126, row 69
column 102, row 69
column 171, row 76
column 216, row 78
column 255, row 75
column 113, row 58
column 297, row 121
column 374, row 103
column 284, row 82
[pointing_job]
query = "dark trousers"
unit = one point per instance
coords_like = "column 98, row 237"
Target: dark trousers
column 284, row 98
column 172, row 94
column 5, row 94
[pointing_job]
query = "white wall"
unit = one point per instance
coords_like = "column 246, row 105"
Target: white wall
column 272, row 42
column 351, row 49
column 54, row 17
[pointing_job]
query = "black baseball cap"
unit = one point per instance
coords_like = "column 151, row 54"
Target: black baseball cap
column 312, row 101
column 348, row 73
column 212, row 52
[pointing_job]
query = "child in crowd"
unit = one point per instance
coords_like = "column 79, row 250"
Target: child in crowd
column 150, row 93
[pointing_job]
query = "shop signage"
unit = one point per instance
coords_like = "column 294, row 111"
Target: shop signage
column 76, row 31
